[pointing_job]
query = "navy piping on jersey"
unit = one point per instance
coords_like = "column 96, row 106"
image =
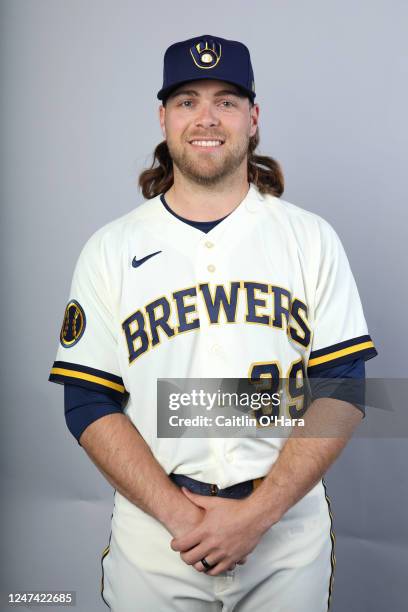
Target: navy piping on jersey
column 84, row 406
column 204, row 226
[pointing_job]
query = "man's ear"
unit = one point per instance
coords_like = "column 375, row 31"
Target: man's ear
column 162, row 114
column 254, row 110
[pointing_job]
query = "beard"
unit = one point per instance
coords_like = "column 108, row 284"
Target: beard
column 208, row 169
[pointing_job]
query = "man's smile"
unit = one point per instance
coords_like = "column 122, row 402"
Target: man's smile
column 206, row 143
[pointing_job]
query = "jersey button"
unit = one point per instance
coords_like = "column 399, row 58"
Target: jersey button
column 211, row 268
column 209, row 244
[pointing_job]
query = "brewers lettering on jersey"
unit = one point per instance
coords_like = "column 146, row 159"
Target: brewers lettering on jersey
column 213, row 276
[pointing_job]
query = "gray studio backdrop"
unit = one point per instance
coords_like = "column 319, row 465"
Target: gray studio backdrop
column 79, row 122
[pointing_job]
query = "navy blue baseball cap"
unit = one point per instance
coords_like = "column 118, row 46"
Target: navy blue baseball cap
column 207, row 57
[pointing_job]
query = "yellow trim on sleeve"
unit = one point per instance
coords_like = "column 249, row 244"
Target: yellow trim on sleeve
column 89, row 377
column 346, row 351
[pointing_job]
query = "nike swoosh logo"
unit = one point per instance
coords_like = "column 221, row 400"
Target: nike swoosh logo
column 138, row 262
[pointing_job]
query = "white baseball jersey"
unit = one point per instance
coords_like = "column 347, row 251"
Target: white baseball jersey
column 153, row 297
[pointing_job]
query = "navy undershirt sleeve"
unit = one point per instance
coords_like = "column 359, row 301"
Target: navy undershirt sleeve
column 84, row 406
column 345, row 382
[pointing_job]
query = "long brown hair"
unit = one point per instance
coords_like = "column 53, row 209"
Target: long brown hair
column 263, row 171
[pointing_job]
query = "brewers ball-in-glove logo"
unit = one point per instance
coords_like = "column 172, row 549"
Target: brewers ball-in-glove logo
column 206, row 53
column 73, row 325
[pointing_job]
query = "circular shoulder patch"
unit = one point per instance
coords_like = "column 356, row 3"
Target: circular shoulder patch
column 73, row 325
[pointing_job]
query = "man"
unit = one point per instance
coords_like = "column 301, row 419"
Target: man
column 213, row 276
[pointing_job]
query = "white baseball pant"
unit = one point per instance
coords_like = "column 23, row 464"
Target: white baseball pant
column 290, row 570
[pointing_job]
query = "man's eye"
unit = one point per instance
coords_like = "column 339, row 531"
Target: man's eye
column 227, row 103
column 186, row 103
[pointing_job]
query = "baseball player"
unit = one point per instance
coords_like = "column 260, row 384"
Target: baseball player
column 214, row 276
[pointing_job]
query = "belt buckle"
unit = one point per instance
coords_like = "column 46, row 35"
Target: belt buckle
column 213, row 489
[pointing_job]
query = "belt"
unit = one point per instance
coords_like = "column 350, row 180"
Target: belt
column 237, row 491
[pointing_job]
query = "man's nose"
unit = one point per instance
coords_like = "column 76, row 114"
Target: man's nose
column 206, row 116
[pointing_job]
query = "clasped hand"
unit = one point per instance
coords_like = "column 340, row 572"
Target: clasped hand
column 227, row 533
